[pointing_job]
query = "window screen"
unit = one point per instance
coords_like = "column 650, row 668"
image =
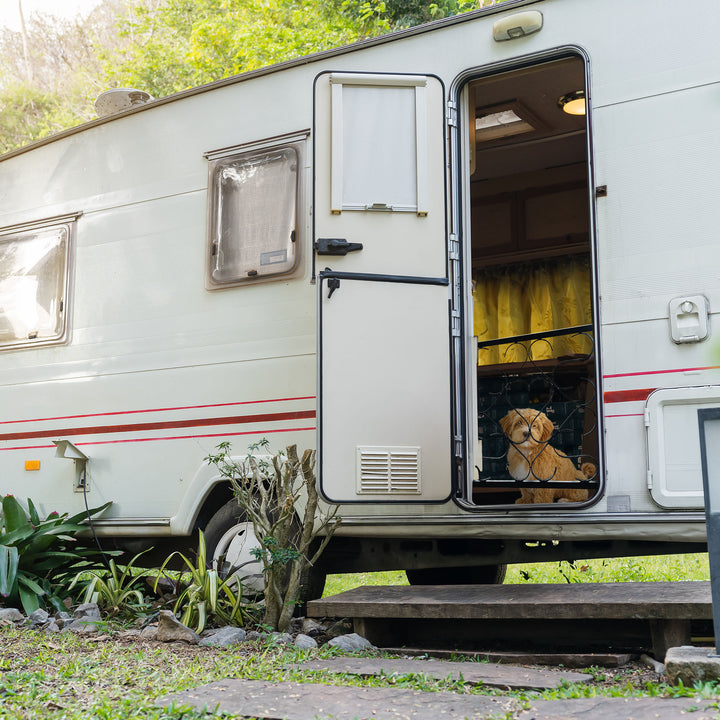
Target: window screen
column 33, row 270
column 254, row 212
column 379, row 143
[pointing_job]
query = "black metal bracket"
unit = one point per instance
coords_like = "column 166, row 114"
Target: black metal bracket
column 336, row 246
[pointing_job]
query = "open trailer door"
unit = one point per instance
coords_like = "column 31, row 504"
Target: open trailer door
column 383, row 310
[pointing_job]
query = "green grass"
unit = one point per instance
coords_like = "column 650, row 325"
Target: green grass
column 633, row 569
column 64, row 677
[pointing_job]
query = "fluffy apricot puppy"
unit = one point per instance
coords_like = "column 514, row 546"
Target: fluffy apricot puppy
column 531, row 457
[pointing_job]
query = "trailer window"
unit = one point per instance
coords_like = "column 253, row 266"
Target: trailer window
column 253, row 216
column 33, row 273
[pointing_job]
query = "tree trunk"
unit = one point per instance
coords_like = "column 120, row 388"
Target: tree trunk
column 26, row 45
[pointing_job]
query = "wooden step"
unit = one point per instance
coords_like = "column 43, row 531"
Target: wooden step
column 611, row 616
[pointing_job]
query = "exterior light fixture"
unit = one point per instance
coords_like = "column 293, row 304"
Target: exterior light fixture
column 573, row 103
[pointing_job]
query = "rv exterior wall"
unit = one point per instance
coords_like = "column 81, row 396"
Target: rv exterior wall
column 156, row 370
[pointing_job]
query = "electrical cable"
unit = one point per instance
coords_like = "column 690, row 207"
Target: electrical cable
column 90, row 522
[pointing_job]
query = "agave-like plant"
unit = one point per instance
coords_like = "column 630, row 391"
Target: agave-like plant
column 115, row 587
column 39, row 557
column 204, row 594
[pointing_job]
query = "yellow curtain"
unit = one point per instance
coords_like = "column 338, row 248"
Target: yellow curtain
column 531, row 298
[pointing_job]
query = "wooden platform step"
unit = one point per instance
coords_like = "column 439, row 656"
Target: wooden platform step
column 610, row 616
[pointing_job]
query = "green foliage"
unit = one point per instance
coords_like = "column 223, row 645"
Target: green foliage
column 39, row 558
column 280, row 498
column 116, row 589
column 183, row 44
column 206, row 596
column 28, row 113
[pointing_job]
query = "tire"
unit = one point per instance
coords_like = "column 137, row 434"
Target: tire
column 470, row 575
column 230, row 536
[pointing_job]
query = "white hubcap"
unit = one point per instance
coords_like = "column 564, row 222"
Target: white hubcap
column 236, row 545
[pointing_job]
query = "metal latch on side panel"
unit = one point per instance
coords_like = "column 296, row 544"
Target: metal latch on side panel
column 689, row 319
column 336, row 246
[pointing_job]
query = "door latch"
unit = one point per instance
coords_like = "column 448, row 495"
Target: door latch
column 333, row 285
column 336, row 246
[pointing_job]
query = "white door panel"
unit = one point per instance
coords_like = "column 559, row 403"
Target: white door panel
column 384, row 357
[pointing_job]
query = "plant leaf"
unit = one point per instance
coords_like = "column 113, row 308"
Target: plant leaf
column 9, row 559
column 14, row 514
column 30, row 600
column 34, row 517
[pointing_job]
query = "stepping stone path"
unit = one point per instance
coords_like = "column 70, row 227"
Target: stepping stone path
column 473, row 673
column 311, row 701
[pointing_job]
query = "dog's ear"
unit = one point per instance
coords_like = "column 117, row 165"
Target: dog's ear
column 546, row 427
column 507, row 421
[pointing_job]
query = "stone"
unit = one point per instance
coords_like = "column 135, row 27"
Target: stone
column 351, row 643
column 278, row 638
column 149, row 633
column 51, row 627
column 341, row 627
column 223, row 637
column 313, row 701
column 129, row 634
column 305, row 642
column 62, row 619
column 81, row 626
column 87, row 611
column 618, row 708
column 11, row 615
column 310, row 627
column 255, row 636
column 690, row 665
column 472, row 673
column 38, row 618
column 170, row 629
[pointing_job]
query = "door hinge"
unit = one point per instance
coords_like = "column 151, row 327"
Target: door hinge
column 458, row 447
column 455, row 320
column 451, row 114
column 646, row 416
column 454, row 246
column 649, row 479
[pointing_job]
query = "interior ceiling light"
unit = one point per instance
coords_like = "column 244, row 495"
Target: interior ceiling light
column 504, row 123
column 573, row 103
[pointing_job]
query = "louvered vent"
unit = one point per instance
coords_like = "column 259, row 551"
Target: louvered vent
column 383, row 470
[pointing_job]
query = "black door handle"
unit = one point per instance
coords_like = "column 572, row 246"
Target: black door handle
column 336, row 246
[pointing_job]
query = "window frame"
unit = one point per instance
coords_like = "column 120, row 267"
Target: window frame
column 294, row 141
column 68, row 223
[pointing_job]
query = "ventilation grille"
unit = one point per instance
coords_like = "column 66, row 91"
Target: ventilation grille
column 383, row 471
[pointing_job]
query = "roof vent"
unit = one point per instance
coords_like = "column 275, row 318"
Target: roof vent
column 119, row 99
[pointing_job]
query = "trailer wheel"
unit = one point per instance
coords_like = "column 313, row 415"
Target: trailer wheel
column 472, row 575
column 230, row 535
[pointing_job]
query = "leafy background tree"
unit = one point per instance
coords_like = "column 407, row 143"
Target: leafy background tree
column 51, row 70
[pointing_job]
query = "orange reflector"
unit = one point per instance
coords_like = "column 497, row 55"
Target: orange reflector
column 32, row 464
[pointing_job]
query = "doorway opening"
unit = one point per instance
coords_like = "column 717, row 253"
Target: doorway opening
column 533, row 287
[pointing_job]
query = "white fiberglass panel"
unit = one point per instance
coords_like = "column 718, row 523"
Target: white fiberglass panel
column 674, row 459
column 385, row 385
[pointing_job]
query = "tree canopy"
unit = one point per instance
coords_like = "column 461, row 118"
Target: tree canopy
column 52, row 70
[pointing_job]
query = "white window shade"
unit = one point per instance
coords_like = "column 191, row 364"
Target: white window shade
column 33, row 274
column 379, row 143
column 254, row 215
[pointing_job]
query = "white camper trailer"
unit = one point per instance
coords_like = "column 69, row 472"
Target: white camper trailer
column 381, row 252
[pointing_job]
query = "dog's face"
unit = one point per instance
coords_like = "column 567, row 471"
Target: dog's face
column 527, row 427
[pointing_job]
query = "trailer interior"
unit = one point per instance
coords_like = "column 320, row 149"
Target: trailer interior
column 532, row 274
